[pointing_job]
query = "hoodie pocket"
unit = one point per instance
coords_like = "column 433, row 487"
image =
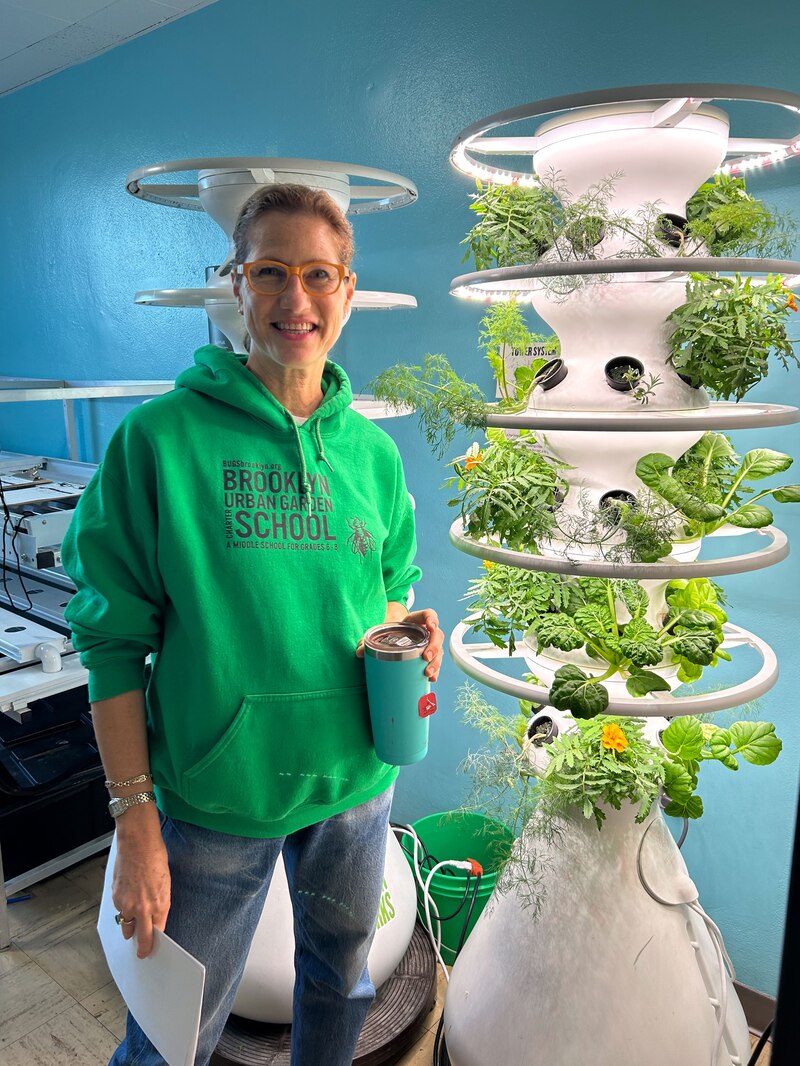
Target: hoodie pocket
column 284, row 751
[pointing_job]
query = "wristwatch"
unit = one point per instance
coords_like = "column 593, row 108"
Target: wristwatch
column 120, row 804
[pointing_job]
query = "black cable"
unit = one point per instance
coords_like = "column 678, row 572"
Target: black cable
column 427, row 859
column 462, row 904
column 440, row 1055
column 762, row 1040
column 430, row 861
column 7, row 519
column 465, row 927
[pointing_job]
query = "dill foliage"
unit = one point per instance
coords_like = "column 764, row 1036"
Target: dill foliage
column 441, row 398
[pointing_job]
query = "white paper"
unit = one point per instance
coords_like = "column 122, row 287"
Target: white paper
column 164, row 992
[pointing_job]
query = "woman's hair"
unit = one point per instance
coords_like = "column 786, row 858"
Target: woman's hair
column 293, row 200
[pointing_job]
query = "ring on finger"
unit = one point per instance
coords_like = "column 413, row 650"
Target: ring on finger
column 120, row 919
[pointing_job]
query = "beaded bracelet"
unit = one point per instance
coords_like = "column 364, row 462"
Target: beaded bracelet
column 131, row 781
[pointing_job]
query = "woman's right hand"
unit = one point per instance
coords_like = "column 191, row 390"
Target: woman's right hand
column 141, row 883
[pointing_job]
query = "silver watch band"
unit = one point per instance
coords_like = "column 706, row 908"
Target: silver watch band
column 120, row 804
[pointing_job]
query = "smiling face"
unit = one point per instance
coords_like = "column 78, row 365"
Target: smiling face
column 293, row 331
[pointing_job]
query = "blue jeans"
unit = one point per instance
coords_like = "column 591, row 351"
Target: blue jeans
column 219, row 883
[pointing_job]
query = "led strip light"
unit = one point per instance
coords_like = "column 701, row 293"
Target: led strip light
column 664, row 570
column 473, row 286
column 680, row 100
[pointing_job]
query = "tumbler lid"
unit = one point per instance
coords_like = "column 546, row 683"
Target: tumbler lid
column 395, row 641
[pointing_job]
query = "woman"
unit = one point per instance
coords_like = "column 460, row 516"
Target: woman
column 246, row 529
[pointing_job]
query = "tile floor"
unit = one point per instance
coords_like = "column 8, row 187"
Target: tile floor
column 59, row 1005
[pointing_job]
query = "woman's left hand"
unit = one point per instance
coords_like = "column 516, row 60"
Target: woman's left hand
column 428, row 619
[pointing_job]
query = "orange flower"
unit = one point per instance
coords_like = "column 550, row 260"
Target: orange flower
column 473, row 460
column 487, row 564
column 791, row 302
column 613, row 738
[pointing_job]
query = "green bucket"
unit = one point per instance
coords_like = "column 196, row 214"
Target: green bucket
column 458, row 835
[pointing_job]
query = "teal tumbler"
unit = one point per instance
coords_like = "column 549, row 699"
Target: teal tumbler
column 399, row 695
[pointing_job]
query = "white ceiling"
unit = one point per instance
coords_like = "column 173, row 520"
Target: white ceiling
column 41, row 37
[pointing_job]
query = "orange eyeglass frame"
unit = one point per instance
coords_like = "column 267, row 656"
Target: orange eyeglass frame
column 245, row 268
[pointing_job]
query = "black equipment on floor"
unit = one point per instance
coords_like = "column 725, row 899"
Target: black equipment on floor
column 786, row 1037
column 52, row 797
column 393, row 1023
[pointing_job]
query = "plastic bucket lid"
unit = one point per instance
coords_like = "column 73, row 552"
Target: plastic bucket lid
column 459, row 835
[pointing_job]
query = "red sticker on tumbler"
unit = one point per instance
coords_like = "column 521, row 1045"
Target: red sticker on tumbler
column 427, row 704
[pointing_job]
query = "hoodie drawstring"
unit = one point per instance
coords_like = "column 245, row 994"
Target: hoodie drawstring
column 305, row 486
column 322, row 456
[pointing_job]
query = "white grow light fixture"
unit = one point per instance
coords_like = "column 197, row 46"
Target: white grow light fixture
column 221, row 185
column 622, row 923
column 680, row 102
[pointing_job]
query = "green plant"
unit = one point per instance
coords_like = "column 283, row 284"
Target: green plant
column 519, row 224
column 503, row 330
column 442, row 399
column 588, row 219
column 604, row 762
column 516, row 224
column 709, row 484
column 724, row 217
column 641, row 389
column 629, row 374
column 600, row 764
column 641, row 530
column 690, row 636
column 503, row 599
column 508, row 490
column 608, row 761
column 605, row 618
column 688, row 743
column 500, row 776
column 724, row 333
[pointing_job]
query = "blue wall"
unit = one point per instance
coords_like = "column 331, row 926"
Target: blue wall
column 385, row 85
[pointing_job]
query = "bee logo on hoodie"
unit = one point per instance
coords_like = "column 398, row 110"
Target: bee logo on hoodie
column 360, row 540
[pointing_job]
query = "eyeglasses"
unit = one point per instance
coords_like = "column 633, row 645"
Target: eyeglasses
column 270, row 278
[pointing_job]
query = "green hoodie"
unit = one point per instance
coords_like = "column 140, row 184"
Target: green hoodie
column 196, row 542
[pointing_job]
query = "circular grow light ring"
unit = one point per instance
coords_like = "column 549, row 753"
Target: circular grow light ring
column 363, row 300
column 680, row 100
column 475, row 284
column 396, row 191
column 467, row 657
column 774, row 552
column 723, row 415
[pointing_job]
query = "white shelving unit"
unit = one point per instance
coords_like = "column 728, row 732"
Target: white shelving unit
column 39, row 390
